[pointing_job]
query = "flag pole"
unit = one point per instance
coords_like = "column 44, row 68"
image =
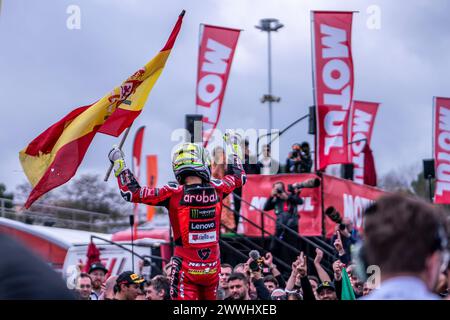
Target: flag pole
column 120, row 147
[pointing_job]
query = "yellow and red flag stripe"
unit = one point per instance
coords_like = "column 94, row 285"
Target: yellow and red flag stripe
column 55, row 155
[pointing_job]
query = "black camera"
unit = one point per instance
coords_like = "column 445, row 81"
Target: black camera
column 255, row 266
column 295, row 154
column 334, row 215
column 291, row 188
column 279, row 190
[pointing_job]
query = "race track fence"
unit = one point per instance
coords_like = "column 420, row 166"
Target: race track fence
column 56, row 216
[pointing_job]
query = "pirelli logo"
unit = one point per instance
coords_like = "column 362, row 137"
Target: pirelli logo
column 207, row 213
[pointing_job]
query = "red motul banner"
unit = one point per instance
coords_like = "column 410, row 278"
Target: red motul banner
column 441, row 138
column 258, row 189
column 333, row 84
column 152, row 180
column 137, row 151
column 348, row 198
column 136, row 168
column 362, row 120
column 217, row 46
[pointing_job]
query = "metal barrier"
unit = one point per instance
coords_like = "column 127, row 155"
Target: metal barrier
column 49, row 215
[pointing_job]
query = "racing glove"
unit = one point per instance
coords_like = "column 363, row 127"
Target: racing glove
column 116, row 157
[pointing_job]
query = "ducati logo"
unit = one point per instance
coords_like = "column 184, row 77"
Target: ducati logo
column 204, row 253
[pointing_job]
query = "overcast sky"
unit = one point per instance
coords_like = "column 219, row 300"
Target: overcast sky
column 46, row 70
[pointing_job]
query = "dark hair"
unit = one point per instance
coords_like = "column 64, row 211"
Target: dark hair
column 271, row 278
column 238, row 276
column 159, row 283
column 279, row 182
column 400, row 232
column 226, row 265
column 84, row 275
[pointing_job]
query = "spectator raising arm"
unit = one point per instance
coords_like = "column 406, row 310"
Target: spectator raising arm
column 308, row 293
column 342, row 255
column 268, row 261
column 337, row 269
column 323, row 275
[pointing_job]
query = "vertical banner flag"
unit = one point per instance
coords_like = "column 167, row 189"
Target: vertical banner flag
column 136, row 168
column 362, row 120
column 441, row 145
column 217, row 47
column 333, row 82
column 53, row 158
column 152, row 180
column 137, row 151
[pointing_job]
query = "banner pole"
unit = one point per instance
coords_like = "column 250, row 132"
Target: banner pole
column 316, row 160
column 120, row 147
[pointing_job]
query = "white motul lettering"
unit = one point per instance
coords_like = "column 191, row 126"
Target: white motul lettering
column 210, row 113
column 442, row 156
column 258, row 202
column 307, row 205
column 333, row 41
column 333, row 122
column 444, row 140
column 361, row 121
column 216, row 58
column 354, row 207
column 339, row 99
column 339, row 67
column 444, row 119
column 204, row 87
column 333, row 142
column 357, row 147
column 358, row 171
column 443, row 169
column 443, row 172
column 442, row 187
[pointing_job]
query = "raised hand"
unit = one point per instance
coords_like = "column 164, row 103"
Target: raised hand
column 116, row 157
column 319, row 256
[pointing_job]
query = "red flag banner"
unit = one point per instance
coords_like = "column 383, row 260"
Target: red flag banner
column 370, row 174
column 349, row 199
column 441, row 144
column 152, row 180
column 362, row 120
column 136, row 168
column 137, row 151
column 333, row 84
column 257, row 190
column 217, row 47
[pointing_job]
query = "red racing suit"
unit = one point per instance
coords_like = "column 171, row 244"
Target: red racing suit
column 194, row 212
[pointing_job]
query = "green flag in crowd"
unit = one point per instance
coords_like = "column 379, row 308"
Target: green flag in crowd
column 347, row 289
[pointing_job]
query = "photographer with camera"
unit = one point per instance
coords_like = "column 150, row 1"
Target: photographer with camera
column 345, row 235
column 285, row 206
column 299, row 159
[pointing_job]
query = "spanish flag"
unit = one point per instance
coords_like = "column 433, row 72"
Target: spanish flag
column 54, row 156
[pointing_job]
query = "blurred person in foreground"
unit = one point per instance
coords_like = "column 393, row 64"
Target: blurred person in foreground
column 406, row 238
column 22, row 275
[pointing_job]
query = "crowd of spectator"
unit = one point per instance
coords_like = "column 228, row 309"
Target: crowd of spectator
column 407, row 268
